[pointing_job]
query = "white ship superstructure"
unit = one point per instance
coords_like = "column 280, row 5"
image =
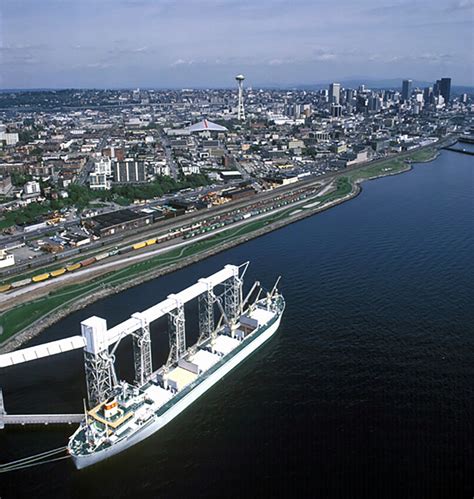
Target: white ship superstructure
column 122, row 414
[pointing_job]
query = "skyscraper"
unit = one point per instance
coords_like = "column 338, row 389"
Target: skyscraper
column 445, row 88
column 336, row 110
column 406, row 90
column 428, row 95
column 374, row 103
column 334, row 93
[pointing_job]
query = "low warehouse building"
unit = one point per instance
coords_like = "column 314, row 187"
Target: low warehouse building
column 117, row 221
column 235, row 194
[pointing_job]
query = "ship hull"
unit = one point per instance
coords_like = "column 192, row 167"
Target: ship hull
column 83, row 461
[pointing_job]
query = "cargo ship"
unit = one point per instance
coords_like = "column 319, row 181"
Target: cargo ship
column 132, row 413
column 119, row 414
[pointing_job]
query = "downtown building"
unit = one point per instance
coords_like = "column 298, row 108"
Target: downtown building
column 129, row 172
column 443, row 87
column 406, row 90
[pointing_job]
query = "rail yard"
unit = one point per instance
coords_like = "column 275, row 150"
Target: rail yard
column 165, row 237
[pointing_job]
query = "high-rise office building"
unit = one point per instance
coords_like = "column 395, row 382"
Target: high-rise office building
column 428, row 95
column 374, row 103
column 336, row 110
column 334, row 93
column 406, row 90
column 445, row 88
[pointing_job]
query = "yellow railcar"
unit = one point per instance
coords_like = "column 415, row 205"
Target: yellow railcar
column 138, row 246
column 73, row 267
column 41, row 277
column 58, row 272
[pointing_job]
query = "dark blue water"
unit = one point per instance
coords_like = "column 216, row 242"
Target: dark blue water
column 366, row 390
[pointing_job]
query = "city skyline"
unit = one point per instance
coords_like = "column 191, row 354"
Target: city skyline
column 146, row 43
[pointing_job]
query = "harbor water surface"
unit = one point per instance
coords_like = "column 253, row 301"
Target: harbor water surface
column 366, row 389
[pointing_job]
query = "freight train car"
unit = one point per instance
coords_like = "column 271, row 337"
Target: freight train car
column 127, row 249
column 41, row 277
column 87, row 261
column 73, row 267
column 58, row 272
column 22, row 282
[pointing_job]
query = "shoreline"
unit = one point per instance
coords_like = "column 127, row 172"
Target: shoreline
column 65, row 309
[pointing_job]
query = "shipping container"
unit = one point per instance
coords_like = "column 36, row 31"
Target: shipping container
column 40, row 277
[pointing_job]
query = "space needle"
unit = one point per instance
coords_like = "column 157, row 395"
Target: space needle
column 240, row 109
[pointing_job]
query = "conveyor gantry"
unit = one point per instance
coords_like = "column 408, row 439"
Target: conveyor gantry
column 26, row 419
column 100, row 343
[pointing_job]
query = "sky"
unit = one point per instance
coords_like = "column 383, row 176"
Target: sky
column 205, row 43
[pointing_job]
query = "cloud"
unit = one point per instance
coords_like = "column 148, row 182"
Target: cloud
column 98, row 65
column 187, row 42
column 21, row 48
column 277, row 62
column 326, row 57
column 389, row 10
column 181, row 62
column 461, row 5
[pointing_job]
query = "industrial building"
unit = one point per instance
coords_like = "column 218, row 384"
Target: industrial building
column 235, row 194
column 117, row 221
